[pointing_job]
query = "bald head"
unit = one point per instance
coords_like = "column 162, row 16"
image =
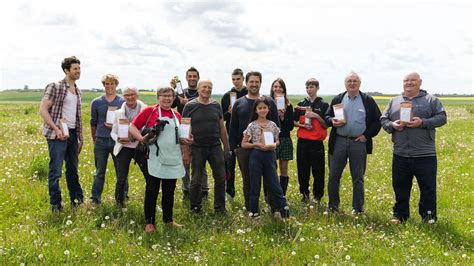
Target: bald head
column 413, row 75
column 411, row 85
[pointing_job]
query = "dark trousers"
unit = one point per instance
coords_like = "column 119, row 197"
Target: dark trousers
column 60, row 151
column 230, row 168
column 215, row 156
column 403, row 170
column 356, row 152
column 124, row 157
column 151, row 194
column 243, row 157
column 310, row 159
column 262, row 163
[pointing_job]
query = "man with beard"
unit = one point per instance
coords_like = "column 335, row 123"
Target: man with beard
column 240, row 118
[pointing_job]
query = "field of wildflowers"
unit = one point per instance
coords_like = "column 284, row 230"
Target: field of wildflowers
column 31, row 234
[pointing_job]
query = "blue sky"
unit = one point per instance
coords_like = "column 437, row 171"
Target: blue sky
column 148, row 42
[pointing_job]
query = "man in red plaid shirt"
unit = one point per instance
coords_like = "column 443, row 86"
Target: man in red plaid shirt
column 61, row 111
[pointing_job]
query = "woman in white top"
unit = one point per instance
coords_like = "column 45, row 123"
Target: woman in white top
column 124, row 149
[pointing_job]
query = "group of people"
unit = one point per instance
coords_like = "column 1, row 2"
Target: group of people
column 246, row 127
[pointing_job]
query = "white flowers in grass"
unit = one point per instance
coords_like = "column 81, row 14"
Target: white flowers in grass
column 68, row 222
column 132, row 222
column 293, row 253
column 316, row 257
column 40, row 256
column 240, row 231
column 66, row 252
column 348, row 257
column 102, row 225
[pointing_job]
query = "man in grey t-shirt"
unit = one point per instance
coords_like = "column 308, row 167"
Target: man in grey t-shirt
column 208, row 130
column 414, row 149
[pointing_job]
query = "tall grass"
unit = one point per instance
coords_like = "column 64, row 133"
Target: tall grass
column 30, row 233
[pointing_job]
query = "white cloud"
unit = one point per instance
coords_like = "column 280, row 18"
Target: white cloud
column 148, row 42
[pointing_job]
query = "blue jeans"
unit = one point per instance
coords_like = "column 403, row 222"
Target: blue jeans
column 60, row 151
column 403, row 170
column 262, row 163
column 102, row 148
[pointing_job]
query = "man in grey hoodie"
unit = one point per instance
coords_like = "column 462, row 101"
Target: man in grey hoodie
column 414, row 150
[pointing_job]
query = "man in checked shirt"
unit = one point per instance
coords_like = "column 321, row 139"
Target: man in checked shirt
column 61, row 102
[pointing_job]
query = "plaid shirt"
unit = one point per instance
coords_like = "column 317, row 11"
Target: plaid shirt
column 56, row 92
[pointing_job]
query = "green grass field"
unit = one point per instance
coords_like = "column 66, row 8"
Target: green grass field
column 31, row 234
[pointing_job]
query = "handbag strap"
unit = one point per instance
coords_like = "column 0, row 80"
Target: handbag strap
column 148, row 119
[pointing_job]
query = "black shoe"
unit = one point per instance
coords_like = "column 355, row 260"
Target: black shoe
column 195, row 210
column 185, row 195
column 56, row 208
column 204, row 195
column 333, row 210
column 76, row 203
column 95, row 202
column 305, row 198
column 316, row 201
column 231, row 193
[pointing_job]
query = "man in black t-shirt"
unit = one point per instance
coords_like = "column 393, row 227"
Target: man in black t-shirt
column 238, row 91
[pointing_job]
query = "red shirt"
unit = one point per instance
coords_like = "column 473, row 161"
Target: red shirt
column 140, row 120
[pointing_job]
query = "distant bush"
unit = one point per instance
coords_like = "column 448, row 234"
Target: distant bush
column 31, row 129
column 470, row 108
column 29, row 110
column 39, row 167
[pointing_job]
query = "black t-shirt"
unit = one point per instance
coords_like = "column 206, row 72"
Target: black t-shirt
column 287, row 124
column 318, row 106
column 225, row 103
column 190, row 94
column 204, row 122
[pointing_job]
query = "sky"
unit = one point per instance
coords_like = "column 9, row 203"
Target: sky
column 146, row 43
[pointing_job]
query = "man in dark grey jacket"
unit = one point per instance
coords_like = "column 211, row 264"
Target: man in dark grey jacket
column 414, row 150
